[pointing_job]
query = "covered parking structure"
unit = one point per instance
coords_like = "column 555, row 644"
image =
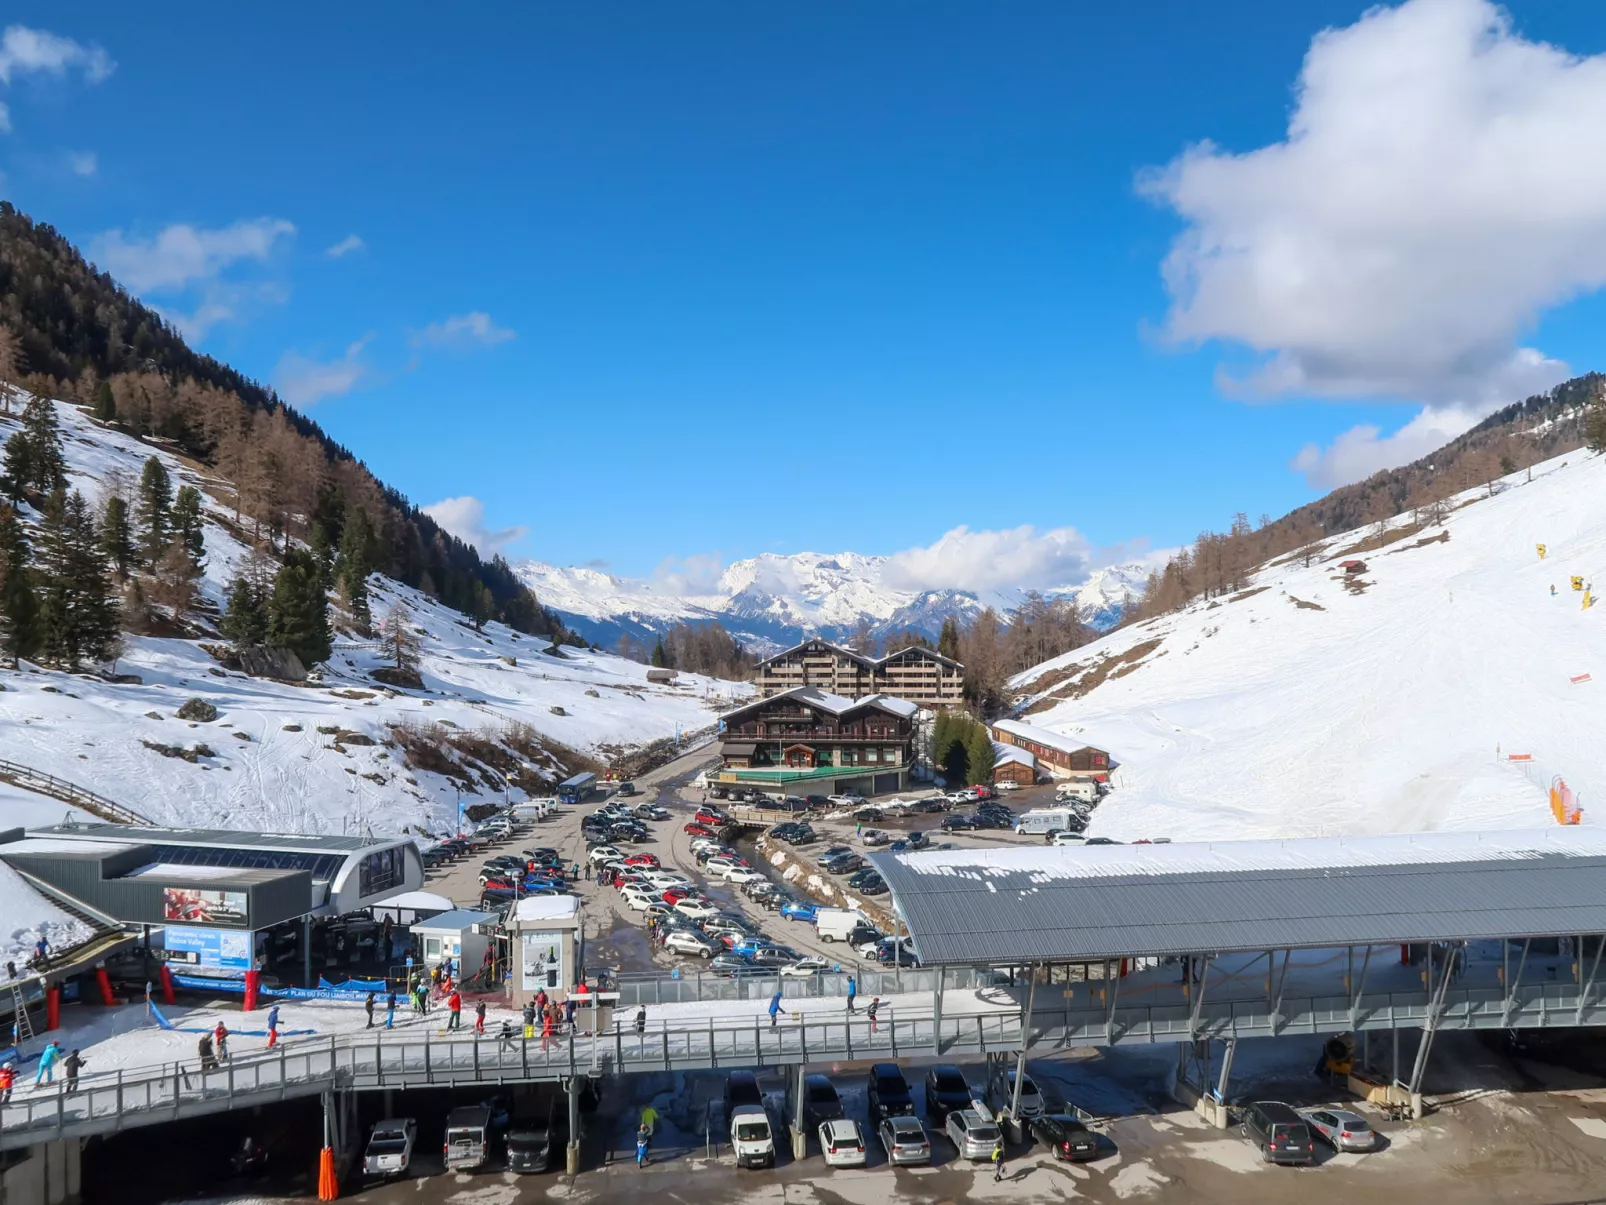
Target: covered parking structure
column 1233, row 939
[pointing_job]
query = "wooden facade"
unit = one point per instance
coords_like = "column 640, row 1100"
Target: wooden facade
column 917, row 674
column 1055, row 753
column 805, row 736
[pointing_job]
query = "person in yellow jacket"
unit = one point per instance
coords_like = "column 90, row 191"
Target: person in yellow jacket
column 998, row 1161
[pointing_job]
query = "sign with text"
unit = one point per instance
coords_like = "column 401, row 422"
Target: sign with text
column 203, row 907
column 209, row 948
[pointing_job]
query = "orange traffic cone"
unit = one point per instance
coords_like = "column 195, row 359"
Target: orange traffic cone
column 328, row 1185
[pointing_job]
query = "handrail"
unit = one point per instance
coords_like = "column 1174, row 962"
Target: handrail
column 69, row 793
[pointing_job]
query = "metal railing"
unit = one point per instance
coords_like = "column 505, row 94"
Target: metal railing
column 375, row 1059
column 68, row 792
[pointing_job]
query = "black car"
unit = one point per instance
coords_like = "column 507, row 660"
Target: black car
column 817, row 801
column 1281, row 1134
column 869, row 814
column 946, row 1090
column 1068, row 1138
column 800, row 836
column 875, row 886
column 529, row 1149
column 889, row 1093
column 741, row 1088
column 953, row 824
column 841, row 863
column 821, row 1101
column 492, row 896
column 863, row 876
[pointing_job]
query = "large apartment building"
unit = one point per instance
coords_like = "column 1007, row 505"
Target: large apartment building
column 808, row 740
column 920, row 675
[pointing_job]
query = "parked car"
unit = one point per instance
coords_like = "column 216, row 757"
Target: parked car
column 741, row 1088
column 956, row 824
column 468, row 1138
column 904, row 1139
column 803, row 968
column 842, row 1143
column 946, row 1090
column 875, row 886
column 732, row 965
column 889, row 1092
column 1006, row 785
column 1341, row 1129
column 973, row 1135
column 874, row 837
column 1066, row 838
column 390, row 1148
column 821, row 1101
column 752, row 1141
column 626, row 788
column 1001, row 1093
column 690, row 941
column 869, row 815
column 841, row 863
column 531, row 1147
column 697, row 830
column 774, row 956
column 1066, row 1136
column 809, row 914
column 1281, row 1134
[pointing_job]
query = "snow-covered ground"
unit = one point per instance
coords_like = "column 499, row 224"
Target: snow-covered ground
column 1305, row 707
column 270, row 766
column 25, row 914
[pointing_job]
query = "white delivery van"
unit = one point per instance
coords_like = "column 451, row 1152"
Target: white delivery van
column 1084, row 789
column 1046, row 820
column 536, row 809
column 751, row 1137
column 840, row 924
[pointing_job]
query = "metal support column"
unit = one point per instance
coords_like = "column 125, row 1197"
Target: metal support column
column 306, row 951
column 1277, row 1003
column 1109, row 1018
column 800, row 1134
column 1358, row 990
column 1198, row 997
column 1583, row 992
column 574, row 1125
column 1226, row 1068
column 936, row 1013
column 1511, row 987
column 1025, row 1040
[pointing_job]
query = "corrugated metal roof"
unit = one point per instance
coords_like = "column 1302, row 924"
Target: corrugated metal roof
column 140, row 834
column 1001, row 906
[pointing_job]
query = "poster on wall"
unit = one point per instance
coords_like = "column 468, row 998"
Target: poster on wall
column 542, row 961
column 215, row 948
column 203, row 907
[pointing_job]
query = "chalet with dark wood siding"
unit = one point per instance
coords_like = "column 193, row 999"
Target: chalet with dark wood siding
column 916, row 673
column 807, row 741
column 1062, row 756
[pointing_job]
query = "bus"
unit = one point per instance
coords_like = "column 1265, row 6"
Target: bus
column 577, row 788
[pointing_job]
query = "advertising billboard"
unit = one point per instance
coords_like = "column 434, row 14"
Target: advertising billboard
column 216, row 948
column 203, row 907
column 542, row 961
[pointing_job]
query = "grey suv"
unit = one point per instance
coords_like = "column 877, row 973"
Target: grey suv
column 1279, row 1132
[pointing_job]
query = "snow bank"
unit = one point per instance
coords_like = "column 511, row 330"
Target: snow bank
column 25, row 915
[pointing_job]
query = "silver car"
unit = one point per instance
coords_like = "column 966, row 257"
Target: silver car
column 973, row 1136
column 905, row 1141
column 1342, row 1130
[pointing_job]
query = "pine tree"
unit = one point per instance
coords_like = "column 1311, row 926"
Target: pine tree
column 78, row 616
column 298, row 612
column 948, row 640
column 13, row 364
column 398, row 638
column 1595, row 424
column 105, row 404
column 245, row 621
column 16, row 468
column 660, row 659
column 116, row 537
column 484, row 606
column 978, row 755
column 188, row 525
column 19, row 609
column 353, row 565
column 47, row 467
column 154, row 510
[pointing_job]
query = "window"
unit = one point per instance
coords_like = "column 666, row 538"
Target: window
column 870, row 756
column 381, row 871
column 889, row 755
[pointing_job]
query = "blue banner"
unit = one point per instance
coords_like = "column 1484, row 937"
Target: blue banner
column 237, row 986
column 224, row 949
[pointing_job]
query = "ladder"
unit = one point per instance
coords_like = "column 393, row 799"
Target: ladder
column 22, row 1027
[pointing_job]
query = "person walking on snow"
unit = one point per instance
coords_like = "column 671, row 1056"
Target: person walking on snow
column 568, row 1015
column 775, row 1008
column 273, row 1027
column 204, row 1049
column 479, row 1018
column 546, row 1032
column 368, row 1007
column 529, row 1019
column 875, row 1006
column 641, row 1019
column 8, row 1081
column 74, row 1063
column 643, row 1145
column 998, row 1161
column 454, row 1005
column 47, row 1065
column 853, row 990
column 220, row 1040
column 390, row 1011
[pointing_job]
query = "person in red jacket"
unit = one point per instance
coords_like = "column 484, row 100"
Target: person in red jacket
column 454, row 1005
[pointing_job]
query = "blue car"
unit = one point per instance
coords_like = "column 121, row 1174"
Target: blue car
column 748, row 945
column 797, row 910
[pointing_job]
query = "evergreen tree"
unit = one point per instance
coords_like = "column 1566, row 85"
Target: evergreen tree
column 47, row 467
column 298, row 612
column 484, row 606
column 188, row 525
column 660, row 659
column 398, row 638
column 78, row 616
column 117, row 537
column 154, row 510
column 354, row 564
column 16, row 468
column 245, row 621
column 105, row 404
column 948, row 639
column 1595, row 424
column 19, row 609
column 978, row 755
column 942, row 739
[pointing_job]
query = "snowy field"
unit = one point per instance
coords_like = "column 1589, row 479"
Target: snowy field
column 1302, row 707
column 270, row 767
column 25, row 914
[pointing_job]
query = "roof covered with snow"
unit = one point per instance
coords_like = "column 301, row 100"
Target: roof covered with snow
column 1039, row 736
column 1013, row 753
column 837, row 705
column 1110, row 901
column 547, row 907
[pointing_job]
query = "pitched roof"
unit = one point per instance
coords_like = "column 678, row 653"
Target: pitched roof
column 854, row 655
column 837, row 705
column 1042, row 736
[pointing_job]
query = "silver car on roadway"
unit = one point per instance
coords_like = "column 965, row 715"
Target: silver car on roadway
column 1342, row 1130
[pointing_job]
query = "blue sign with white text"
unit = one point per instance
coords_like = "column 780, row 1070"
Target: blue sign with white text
column 225, row 949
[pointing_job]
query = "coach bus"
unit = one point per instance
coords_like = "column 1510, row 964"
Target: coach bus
column 577, row 788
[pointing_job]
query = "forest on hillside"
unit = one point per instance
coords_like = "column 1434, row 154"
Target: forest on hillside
column 70, row 332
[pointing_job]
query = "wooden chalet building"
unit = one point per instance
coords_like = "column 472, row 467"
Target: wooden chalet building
column 1013, row 764
column 920, row 675
column 807, row 741
column 1059, row 755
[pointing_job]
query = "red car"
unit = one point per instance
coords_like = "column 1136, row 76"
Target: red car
column 497, row 885
column 710, row 816
column 650, row 860
column 697, row 830
column 674, row 895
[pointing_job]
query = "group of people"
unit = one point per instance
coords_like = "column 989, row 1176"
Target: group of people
column 71, row 1065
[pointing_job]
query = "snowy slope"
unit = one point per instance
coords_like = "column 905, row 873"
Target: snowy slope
column 771, row 601
column 270, row 766
column 1303, row 708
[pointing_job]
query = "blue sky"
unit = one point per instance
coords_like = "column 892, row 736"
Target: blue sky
column 676, row 282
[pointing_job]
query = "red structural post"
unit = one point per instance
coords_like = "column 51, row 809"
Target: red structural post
column 53, row 1006
column 105, row 981
column 167, row 985
column 253, row 983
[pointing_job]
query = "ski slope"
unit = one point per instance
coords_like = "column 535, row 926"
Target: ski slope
column 270, row 768
column 1391, row 709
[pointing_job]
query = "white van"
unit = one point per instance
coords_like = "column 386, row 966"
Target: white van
column 1046, row 820
column 1084, row 789
column 536, row 809
column 751, row 1137
column 840, row 924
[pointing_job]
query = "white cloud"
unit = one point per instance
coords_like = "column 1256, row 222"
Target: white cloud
column 463, row 330
column 692, row 575
column 25, row 51
column 5, row 118
column 1361, row 451
column 1020, row 557
column 465, row 518
column 304, row 382
column 83, row 163
column 1441, row 185
column 345, row 246
column 182, row 254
